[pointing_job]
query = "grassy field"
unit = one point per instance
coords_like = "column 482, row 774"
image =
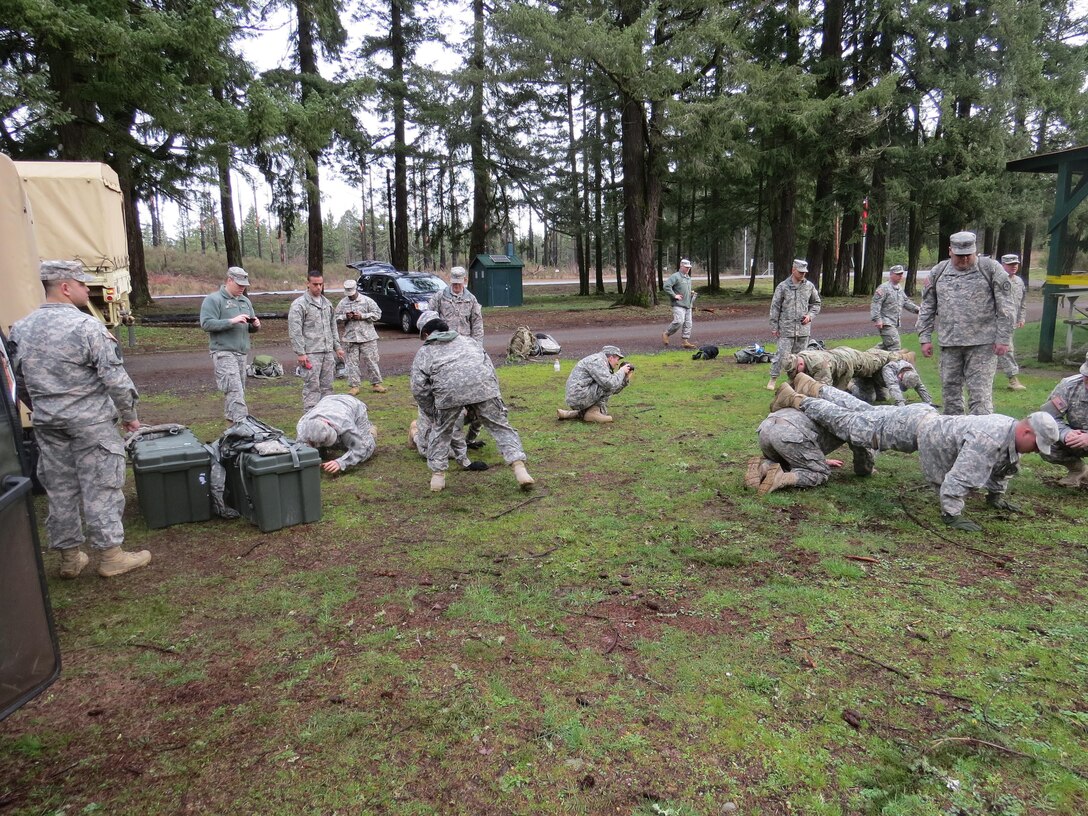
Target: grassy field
column 639, row 635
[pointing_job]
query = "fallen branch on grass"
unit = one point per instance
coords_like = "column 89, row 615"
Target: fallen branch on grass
column 998, row 559
column 865, row 559
column 516, row 506
column 1002, row 749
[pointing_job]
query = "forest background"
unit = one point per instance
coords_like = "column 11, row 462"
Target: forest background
column 611, row 137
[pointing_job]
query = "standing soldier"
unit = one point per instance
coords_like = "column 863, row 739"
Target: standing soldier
column 886, row 309
column 1007, row 363
column 969, row 299
column 459, row 307
column 359, row 313
column 450, row 373
column 311, row 327
column 678, row 287
column 228, row 318
column 71, row 370
column 794, row 304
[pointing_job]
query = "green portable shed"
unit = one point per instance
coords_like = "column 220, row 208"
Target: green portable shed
column 495, row 280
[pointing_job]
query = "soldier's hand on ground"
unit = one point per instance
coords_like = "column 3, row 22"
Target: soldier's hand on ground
column 927, row 349
column 999, row 502
column 331, row 467
column 960, row 523
column 1076, row 439
column 834, row 463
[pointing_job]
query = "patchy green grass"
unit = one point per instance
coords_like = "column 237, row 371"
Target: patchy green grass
column 638, row 635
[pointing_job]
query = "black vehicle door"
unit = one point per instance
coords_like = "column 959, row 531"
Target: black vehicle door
column 29, row 654
column 379, row 291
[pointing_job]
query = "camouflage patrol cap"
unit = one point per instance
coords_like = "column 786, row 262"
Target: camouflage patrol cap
column 316, row 433
column 798, row 263
column 62, row 271
column 1011, row 258
column 897, row 270
column 238, row 275
column 1046, row 430
column 962, row 243
column 350, row 285
column 685, row 264
column 612, row 351
column 425, row 318
column 458, row 274
column 909, row 378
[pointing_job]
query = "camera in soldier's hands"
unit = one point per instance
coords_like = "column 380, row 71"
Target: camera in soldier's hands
column 630, row 368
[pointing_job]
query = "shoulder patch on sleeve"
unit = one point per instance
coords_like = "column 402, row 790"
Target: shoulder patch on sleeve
column 1059, row 403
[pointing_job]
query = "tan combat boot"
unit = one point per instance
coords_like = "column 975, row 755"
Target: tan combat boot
column 771, row 384
column 1078, row 472
column 780, row 480
column 525, row 481
column 354, row 391
column 909, row 356
column 768, row 478
column 1016, row 385
column 116, row 561
column 786, row 397
column 688, row 345
column 72, row 562
column 374, row 431
column 563, row 413
column 413, row 429
column 757, row 469
column 665, row 338
column 378, row 388
column 594, row 414
column 804, row 384
column 438, row 481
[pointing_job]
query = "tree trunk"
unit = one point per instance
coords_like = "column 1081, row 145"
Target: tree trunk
column 400, row 148
column 575, row 199
column 641, row 202
column 226, row 207
column 307, row 61
column 478, row 235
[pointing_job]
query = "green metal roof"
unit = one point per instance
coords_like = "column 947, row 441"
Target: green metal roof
column 497, row 261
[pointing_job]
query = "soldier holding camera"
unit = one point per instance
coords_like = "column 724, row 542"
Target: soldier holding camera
column 594, row 379
column 228, row 317
column 357, row 314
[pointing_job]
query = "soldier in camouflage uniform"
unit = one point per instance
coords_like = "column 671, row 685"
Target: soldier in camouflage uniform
column 358, row 314
column 957, row 454
column 794, row 304
column 838, row 366
column 340, row 421
column 678, row 288
column 1068, row 404
column 794, row 450
column 891, row 383
column 886, row 308
column 969, row 299
column 70, row 369
column 458, row 307
column 311, row 327
column 594, row 379
column 228, row 318
column 1007, row 364
column 419, row 434
column 451, row 373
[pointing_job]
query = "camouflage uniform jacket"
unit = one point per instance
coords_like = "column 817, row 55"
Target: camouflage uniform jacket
column 349, row 419
column 970, row 308
column 1068, row 404
column 679, row 284
column 801, row 430
column 71, row 368
column 451, row 371
column 888, row 304
column 1019, row 298
column 862, row 363
column 592, row 380
column 790, row 303
column 959, row 454
column 311, row 326
column 358, row 329
column 462, row 312
column 215, row 315
column 818, row 365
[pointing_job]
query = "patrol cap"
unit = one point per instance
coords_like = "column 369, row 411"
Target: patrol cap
column 909, row 377
column 63, row 270
column 800, row 264
column 315, row 432
column 425, row 318
column 350, row 285
column 1010, row 259
column 962, row 243
column 612, row 351
column 897, row 270
column 1084, row 368
column 1046, row 430
column 238, row 275
column 685, row 264
column 458, row 274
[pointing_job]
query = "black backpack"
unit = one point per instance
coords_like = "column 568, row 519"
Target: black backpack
column 705, row 353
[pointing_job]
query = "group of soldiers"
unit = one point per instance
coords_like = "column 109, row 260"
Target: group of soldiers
column 974, row 304
column 70, row 370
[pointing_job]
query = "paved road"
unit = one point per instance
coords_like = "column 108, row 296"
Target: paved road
column 182, row 368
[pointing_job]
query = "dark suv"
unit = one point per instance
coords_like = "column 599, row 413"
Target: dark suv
column 401, row 296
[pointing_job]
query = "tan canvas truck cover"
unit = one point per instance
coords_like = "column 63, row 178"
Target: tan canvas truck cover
column 21, row 291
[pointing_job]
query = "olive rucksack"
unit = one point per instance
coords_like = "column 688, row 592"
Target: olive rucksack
column 521, row 344
column 264, row 367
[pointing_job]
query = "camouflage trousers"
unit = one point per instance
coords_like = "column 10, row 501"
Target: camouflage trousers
column 458, row 447
column 1006, row 363
column 83, row 473
column 230, row 378
column 889, row 338
column 317, row 379
column 360, row 355
column 777, row 442
column 681, row 321
column 586, row 398
column 786, row 346
column 1063, row 455
column 492, row 413
column 973, row 368
column 877, row 427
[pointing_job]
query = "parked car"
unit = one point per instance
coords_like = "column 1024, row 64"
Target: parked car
column 400, row 295
column 30, row 657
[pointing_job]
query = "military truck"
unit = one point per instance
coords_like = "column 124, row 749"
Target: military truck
column 78, row 215
column 22, row 291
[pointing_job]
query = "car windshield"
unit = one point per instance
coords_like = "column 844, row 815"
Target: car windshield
column 421, row 284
